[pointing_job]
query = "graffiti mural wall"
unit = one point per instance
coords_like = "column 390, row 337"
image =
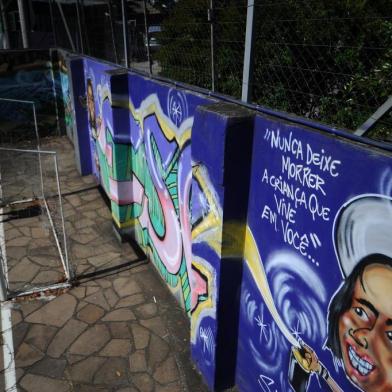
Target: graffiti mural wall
column 315, row 306
column 144, row 165
column 306, row 245
column 27, row 75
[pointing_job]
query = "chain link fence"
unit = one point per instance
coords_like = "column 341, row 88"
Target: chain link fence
column 31, row 220
column 326, row 61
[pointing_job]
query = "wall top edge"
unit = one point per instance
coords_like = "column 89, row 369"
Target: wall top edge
column 341, row 132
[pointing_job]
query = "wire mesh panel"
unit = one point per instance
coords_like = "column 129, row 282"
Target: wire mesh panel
column 34, row 253
column 329, row 61
column 229, row 24
column 184, row 52
column 18, row 123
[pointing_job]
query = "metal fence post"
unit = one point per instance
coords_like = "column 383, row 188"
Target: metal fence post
column 112, row 30
column 79, row 26
column 52, row 23
column 23, row 28
column 247, row 74
column 211, row 19
column 147, row 37
column 125, row 32
column 5, row 37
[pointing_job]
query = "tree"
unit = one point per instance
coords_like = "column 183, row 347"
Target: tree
column 326, row 60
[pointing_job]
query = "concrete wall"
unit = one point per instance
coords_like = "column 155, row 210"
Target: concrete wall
column 261, row 227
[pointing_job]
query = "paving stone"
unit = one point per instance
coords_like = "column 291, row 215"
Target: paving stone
column 119, row 330
column 78, row 292
column 56, row 313
column 81, row 305
column 141, row 336
column 50, row 367
column 43, row 251
column 39, row 232
column 146, row 311
column 19, row 241
column 120, row 315
column 19, row 332
column 90, row 214
column 91, row 340
column 16, row 317
column 84, row 371
column 158, row 350
column 71, row 359
column 74, row 200
column 17, row 252
column 42, row 245
column 24, row 271
column 131, row 300
column 35, row 383
column 126, row 286
column 83, row 238
column 167, row 372
column 82, row 223
column 45, row 277
column 137, row 362
column 98, row 299
column 30, row 306
column 90, row 313
column 102, row 259
column 65, row 337
column 83, row 252
column 45, row 261
column 89, row 388
column 104, row 283
column 27, row 355
column 40, row 336
column 113, row 372
column 156, row 325
column 172, row 387
column 140, row 268
column 143, row 382
column 116, row 348
column 25, row 231
column 110, row 296
column 11, row 234
column 92, row 290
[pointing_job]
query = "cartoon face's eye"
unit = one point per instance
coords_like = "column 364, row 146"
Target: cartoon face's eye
column 389, row 335
column 360, row 312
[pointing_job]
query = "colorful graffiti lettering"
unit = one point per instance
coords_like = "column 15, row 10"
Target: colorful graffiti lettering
column 150, row 185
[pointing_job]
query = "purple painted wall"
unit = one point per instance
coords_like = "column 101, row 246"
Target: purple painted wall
column 264, row 239
column 314, row 305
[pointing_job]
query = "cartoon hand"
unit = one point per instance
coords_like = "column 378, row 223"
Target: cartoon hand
column 309, row 356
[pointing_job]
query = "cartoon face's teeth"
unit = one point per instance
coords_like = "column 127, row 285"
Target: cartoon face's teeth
column 364, row 367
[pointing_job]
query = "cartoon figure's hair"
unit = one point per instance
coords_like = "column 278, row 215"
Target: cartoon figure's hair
column 342, row 300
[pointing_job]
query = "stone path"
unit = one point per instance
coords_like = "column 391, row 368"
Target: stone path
column 120, row 332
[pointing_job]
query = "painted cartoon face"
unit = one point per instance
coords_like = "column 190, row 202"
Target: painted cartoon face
column 365, row 331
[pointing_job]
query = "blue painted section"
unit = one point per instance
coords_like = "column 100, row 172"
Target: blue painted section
column 82, row 149
column 220, row 130
column 300, row 181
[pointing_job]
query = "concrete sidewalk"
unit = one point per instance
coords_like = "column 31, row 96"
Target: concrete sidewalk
column 117, row 332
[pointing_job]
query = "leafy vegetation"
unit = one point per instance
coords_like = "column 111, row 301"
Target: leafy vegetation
column 326, row 60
